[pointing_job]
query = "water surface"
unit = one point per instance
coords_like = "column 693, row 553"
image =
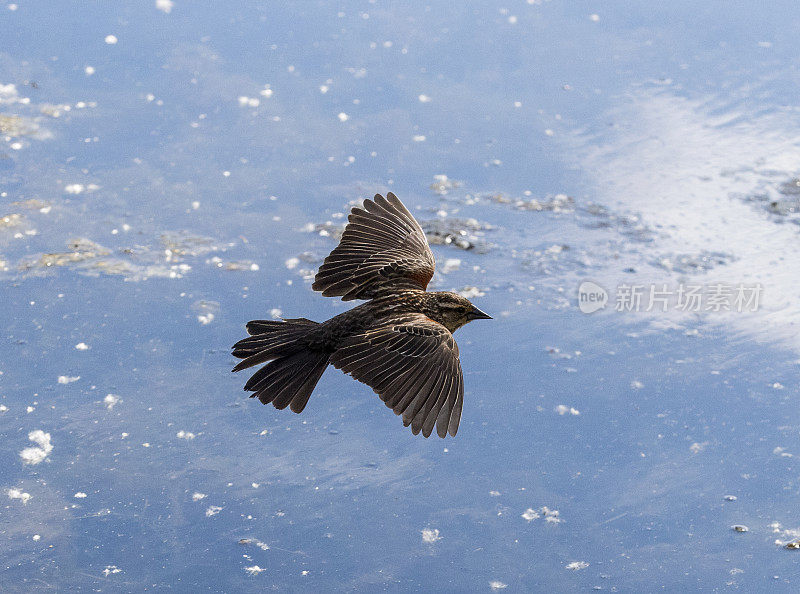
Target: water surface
column 162, row 186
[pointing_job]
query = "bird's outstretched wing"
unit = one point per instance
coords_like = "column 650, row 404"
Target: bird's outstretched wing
column 382, row 249
column 412, row 363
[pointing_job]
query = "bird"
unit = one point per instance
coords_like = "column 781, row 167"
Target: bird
column 399, row 342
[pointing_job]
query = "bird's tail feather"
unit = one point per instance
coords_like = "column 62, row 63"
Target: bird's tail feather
column 293, row 370
column 271, row 339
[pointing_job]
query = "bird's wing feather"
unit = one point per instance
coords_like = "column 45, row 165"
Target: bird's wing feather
column 412, row 363
column 383, row 249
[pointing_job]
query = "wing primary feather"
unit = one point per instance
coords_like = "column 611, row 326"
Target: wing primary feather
column 443, row 418
column 382, row 249
column 455, row 415
column 423, row 392
column 385, row 225
column 432, row 413
column 400, row 389
column 389, row 373
column 441, row 406
column 368, row 363
column 434, row 393
column 410, row 391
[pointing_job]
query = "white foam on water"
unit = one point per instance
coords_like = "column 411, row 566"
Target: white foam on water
column 15, row 493
column 35, row 455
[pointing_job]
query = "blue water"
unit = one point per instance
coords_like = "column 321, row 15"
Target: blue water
column 155, row 194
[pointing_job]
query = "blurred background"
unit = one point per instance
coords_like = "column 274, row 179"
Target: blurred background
column 170, row 170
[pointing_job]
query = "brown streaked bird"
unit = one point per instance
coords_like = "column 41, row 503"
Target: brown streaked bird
column 399, row 342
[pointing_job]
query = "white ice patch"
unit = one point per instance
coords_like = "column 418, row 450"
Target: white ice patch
column 254, row 570
column 34, row 455
column 165, row 6
column 788, row 535
column 245, row 101
column 187, row 435
column 206, row 311
column 430, row 535
column 261, row 545
column 111, row 569
column 19, row 494
column 497, row 585
column 530, row 514
column 9, row 93
column 550, row 515
column 80, row 495
column 563, row 409
column 577, row 565
column 81, row 346
column 74, row 188
column 67, row 379
column 450, row 265
column 471, row 292
column 110, row 400
column 213, row 510
column 198, row 496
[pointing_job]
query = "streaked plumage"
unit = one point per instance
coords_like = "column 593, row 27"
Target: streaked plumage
column 400, row 342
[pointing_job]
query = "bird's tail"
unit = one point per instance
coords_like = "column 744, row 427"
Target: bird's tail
column 293, row 369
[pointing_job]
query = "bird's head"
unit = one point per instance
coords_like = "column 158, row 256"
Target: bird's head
column 453, row 311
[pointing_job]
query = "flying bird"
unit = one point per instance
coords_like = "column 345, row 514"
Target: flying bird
column 400, row 342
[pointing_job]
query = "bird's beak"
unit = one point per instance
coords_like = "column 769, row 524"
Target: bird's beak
column 476, row 314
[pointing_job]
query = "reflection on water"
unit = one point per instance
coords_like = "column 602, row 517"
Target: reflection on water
column 719, row 187
column 169, row 171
